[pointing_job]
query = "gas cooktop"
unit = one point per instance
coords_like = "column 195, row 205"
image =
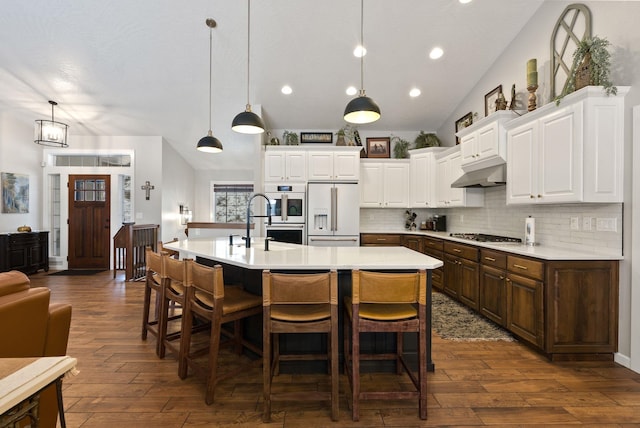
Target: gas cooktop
column 482, row 237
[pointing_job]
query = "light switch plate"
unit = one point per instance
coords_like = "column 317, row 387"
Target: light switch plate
column 606, row 224
column 586, row 223
column 575, row 223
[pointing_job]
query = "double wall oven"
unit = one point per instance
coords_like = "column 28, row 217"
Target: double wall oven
column 288, row 212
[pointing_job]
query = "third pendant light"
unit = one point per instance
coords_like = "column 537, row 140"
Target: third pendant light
column 247, row 122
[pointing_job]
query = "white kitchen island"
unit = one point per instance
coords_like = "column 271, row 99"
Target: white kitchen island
column 245, row 265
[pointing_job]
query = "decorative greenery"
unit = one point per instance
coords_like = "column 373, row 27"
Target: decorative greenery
column 426, row 140
column 401, row 147
column 600, row 66
column 290, row 138
column 347, row 131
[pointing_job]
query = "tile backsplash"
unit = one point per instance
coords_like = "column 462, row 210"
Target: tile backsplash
column 553, row 222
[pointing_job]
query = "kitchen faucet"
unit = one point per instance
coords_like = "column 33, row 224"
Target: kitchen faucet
column 248, row 237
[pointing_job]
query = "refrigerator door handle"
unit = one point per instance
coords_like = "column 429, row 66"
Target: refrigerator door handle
column 334, row 209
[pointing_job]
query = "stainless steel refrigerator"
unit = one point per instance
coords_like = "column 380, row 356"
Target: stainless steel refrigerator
column 333, row 214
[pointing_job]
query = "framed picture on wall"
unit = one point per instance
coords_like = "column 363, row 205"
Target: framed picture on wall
column 490, row 100
column 15, row 193
column 462, row 123
column 378, row 147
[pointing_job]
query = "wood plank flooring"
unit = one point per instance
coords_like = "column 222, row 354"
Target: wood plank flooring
column 123, row 384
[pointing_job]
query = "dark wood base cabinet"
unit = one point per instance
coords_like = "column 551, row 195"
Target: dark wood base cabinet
column 567, row 310
column 24, row 251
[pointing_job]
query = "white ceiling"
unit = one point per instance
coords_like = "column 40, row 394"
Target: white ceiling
column 141, row 67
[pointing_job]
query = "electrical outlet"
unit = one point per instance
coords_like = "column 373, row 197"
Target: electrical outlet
column 586, row 223
column 575, row 223
column 606, row 224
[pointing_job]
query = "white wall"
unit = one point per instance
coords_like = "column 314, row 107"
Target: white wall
column 178, row 188
column 20, row 155
column 614, row 20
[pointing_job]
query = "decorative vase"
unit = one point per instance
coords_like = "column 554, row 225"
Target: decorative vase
column 340, row 141
column 583, row 74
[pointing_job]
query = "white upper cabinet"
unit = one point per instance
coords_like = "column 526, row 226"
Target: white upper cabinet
column 568, row 153
column 341, row 163
column 484, row 143
column 448, row 170
column 422, row 183
column 384, row 184
column 284, row 164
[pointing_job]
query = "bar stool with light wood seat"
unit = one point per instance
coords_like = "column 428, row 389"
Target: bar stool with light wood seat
column 386, row 303
column 299, row 303
column 153, row 283
column 208, row 299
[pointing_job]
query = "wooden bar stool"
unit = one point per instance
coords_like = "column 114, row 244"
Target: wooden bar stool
column 153, row 283
column 174, row 279
column 386, row 302
column 207, row 299
column 299, row 303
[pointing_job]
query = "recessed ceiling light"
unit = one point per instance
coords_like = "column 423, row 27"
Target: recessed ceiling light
column 415, row 92
column 351, row 90
column 286, row 89
column 436, row 53
column 464, row 1
column 359, row 51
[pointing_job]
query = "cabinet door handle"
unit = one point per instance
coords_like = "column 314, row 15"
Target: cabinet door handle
column 457, row 250
column 381, row 239
column 532, row 197
column 539, row 196
column 520, row 266
column 491, row 259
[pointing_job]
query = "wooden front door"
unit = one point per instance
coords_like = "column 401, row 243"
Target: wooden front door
column 89, row 221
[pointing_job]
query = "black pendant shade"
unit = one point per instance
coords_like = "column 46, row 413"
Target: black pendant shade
column 209, row 144
column 362, row 110
column 248, row 122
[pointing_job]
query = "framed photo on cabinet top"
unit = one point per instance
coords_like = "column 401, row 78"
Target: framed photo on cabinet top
column 462, row 123
column 316, row 137
column 490, row 100
column 378, row 147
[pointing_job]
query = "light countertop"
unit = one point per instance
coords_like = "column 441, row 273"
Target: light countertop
column 294, row 256
column 543, row 252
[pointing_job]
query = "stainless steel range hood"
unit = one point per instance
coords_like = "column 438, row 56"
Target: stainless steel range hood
column 485, row 177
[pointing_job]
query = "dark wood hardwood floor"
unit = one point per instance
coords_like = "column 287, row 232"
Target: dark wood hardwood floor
column 122, row 383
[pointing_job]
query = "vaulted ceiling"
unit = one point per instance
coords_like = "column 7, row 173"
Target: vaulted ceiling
column 141, row 67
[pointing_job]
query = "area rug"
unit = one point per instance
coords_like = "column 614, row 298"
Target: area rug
column 76, row 272
column 454, row 321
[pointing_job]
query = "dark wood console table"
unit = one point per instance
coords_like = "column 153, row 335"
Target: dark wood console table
column 24, row 251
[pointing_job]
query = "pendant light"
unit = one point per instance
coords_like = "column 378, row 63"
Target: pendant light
column 361, row 109
column 247, row 122
column 51, row 133
column 209, row 143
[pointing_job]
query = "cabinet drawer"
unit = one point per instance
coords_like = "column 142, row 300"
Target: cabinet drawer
column 526, row 267
column 461, row 250
column 436, row 244
column 380, row 239
column 493, row 258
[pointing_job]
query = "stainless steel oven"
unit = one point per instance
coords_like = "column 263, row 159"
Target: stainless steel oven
column 288, row 232
column 288, row 202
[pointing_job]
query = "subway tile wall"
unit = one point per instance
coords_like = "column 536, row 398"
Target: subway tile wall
column 553, row 222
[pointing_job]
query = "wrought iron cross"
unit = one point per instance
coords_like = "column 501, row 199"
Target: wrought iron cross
column 147, row 188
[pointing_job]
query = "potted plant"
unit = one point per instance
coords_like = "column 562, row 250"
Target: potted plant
column 290, row 138
column 591, row 66
column 426, row 140
column 400, row 148
column 345, row 135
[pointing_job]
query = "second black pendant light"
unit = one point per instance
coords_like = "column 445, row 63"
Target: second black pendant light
column 247, row 122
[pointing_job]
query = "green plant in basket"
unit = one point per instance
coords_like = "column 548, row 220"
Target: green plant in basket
column 426, row 140
column 400, row 148
column 591, row 66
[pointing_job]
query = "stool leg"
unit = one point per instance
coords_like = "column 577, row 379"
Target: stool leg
column 266, row 367
column 333, row 346
column 146, row 310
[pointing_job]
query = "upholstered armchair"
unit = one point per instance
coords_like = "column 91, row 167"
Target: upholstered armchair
column 31, row 326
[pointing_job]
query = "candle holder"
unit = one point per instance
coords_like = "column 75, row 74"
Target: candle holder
column 532, row 97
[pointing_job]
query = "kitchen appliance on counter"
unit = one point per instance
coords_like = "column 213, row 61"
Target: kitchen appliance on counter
column 483, row 237
column 437, row 223
column 333, row 214
column 288, row 212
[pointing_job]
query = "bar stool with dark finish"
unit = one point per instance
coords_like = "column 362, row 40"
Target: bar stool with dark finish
column 153, row 283
column 208, row 299
column 299, row 303
column 174, row 277
column 386, row 303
